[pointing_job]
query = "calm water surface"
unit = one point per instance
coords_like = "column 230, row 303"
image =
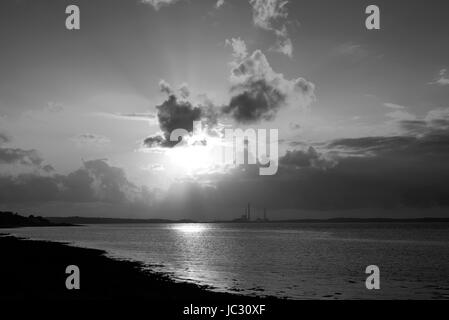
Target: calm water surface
column 298, row 261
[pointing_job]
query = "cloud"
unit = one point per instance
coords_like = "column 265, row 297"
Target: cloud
column 258, row 92
column 90, row 139
column 394, row 106
column 350, row 49
column 96, row 181
column 108, row 183
column 399, row 113
column 428, row 136
column 158, row 141
column 184, row 91
column 368, row 146
column 354, row 52
column 20, row 156
column 294, row 126
column 48, row 168
column 307, row 158
column 17, row 155
column 157, row 4
column 284, row 45
column 177, row 112
column 174, row 113
column 443, row 80
column 239, row 48
column 219, row 4
column 136, row 116
column 4, row 138
column 272, row 15
column 54, row 107
column 438, row 118
column 410, row 170
column 165, row 87
column 435, row 122
column 267, row 12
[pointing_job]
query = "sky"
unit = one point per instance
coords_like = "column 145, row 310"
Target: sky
column 362, row 115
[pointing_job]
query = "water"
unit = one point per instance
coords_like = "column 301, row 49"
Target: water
column 297, row 261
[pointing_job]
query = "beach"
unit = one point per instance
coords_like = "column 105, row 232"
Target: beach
column 35, row 270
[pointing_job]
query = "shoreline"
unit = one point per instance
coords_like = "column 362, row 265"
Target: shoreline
column 77, row 220
column 35, row 269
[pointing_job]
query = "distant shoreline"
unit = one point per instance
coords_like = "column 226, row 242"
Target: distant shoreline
column 100, row 220
column 14, row 220
column 11, row 220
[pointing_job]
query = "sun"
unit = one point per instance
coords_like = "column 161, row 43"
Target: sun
column 193, row 157
column 190, row 158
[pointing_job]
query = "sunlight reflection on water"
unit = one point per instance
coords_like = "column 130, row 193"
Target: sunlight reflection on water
column 189, row 228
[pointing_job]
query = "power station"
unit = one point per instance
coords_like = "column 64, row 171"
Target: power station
column 246, row 217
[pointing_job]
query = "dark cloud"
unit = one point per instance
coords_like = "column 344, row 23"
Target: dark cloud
column 19, row 156
column 367, row 145
column 257, row 101
column 432, row 144
column 4, row 138
column 352, row 183
column 48, row 168
column 158, row 141
column 108, row 183
column 176, row 112
column 173, row 114
column 96, row 181
column 435, row 122
column 307, row 158
column 257, row 92
column 408, row 171
column 428, row 137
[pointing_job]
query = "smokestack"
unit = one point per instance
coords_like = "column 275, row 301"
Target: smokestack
column 265, row 214
column 249, row 212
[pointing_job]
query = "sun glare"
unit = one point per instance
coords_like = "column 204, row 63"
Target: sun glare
column 196, row 158
column 190, row 228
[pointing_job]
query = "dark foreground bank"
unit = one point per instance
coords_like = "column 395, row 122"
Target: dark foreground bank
column 32, row 269
column 33, row 273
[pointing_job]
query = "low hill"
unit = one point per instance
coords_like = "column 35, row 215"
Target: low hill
column 101, row 220
column 14, row 220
